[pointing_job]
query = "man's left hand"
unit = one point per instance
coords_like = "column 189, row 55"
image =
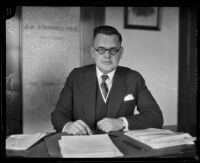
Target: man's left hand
column 110, row 124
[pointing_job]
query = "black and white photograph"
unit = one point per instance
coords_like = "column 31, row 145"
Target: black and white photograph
column 99, row 82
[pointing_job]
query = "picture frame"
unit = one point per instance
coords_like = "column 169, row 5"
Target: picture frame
column 146, row 18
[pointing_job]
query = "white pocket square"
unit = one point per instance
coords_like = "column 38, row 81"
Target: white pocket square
column 128, row 97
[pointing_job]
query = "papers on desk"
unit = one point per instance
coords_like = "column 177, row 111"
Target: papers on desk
column 160, row 138
column 89, row 146
column 22, row 141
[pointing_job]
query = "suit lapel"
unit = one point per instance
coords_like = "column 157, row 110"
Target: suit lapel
column 117, row 94
column 88, row 94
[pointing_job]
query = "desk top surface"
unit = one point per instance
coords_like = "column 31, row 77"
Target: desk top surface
column 48, row 148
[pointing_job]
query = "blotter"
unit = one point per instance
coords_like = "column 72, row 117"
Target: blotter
column 22, row 141
column 160, row 138
column 88, row 146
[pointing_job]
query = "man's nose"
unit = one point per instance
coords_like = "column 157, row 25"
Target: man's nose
column 107, row 54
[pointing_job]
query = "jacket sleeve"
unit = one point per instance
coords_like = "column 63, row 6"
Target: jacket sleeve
column 150, row 115
column 63, row 110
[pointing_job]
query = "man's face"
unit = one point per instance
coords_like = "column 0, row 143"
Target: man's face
column 107, row 62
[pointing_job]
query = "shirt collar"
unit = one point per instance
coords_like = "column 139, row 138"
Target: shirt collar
column 110, row 74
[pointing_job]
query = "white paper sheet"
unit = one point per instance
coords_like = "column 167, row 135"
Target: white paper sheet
column 90, row 146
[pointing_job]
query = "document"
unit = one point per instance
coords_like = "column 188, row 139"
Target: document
column 22, row 141
column 89, row 146
column 160, row 138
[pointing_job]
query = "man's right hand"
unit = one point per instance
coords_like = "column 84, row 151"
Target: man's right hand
column 78, row 127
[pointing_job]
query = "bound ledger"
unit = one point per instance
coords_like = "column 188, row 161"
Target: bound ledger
column 160, row 138
column 90, row 146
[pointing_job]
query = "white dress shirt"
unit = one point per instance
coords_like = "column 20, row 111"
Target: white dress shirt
column 108, row 81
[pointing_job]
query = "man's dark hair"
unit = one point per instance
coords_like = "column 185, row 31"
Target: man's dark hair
column 107, row 30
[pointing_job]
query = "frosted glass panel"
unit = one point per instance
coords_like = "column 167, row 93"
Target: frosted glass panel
column 51, row 49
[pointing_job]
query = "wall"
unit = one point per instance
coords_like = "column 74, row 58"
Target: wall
column 155, row 55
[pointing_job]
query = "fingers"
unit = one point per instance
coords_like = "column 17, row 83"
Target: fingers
column 75, row 131
column 79, row 127
column 109, row 124
column 106, row 128
column 85, row 126
column 104, row 125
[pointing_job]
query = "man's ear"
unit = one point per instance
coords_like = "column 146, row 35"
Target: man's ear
column 92, row 52
column 121, row 51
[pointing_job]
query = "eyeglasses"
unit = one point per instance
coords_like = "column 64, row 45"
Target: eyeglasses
column 112, row 51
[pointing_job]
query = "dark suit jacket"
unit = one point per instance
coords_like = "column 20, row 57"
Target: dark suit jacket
column 78, row 97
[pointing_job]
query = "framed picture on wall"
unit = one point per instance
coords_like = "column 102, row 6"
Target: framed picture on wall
column 146, row 18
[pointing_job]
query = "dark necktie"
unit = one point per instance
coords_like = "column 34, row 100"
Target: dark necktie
column 104, row 86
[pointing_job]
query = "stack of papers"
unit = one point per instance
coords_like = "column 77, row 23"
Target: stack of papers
column 160, row 138
column 22, row 141
column 89, row 146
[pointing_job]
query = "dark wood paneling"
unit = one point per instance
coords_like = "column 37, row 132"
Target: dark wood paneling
column 90, row 18
column 187, row 106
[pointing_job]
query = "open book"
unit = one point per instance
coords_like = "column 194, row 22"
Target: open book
column 160, row 138
column 22, row 141
column 90, row 146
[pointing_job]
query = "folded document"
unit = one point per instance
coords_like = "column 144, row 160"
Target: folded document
column 90, row 146
column 23, row 141
column 160, row 138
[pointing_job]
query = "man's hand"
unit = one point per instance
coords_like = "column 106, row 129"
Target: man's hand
column 78, row 127
column 110, row 124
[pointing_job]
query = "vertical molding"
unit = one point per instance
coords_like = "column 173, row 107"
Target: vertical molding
column 20, row 71
column 3, row 75
column 187, row 109
column 90, row 18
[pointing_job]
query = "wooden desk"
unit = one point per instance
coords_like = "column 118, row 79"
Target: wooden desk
column 48, row 148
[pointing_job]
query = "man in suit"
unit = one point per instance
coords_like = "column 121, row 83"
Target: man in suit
column 103, row 96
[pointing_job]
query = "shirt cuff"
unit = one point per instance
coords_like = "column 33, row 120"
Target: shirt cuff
column 126, row 123
column 65, row 126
